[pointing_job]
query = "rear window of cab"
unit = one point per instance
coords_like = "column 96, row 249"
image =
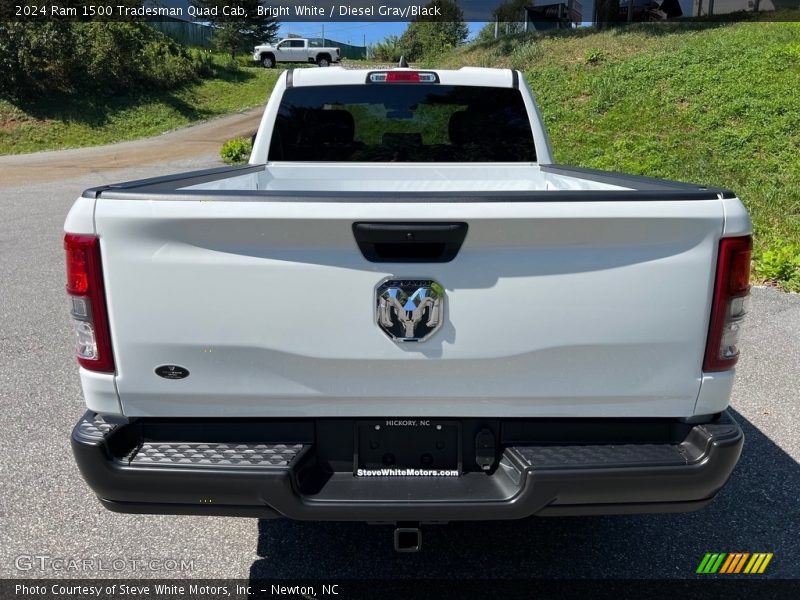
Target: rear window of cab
column 402, row 123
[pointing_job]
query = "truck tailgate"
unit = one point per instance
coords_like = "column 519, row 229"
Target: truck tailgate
column 552, row 308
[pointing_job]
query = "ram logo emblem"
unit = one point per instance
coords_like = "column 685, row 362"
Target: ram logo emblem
column 410, row 310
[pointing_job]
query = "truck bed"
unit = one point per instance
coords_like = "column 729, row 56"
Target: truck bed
column 518, row 182
column 575, row 292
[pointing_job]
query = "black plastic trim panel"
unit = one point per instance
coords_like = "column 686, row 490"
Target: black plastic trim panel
column 642, row 189
column 410, row 197
column 426, row 242
column 184, row 179
column 671, row 466
column 637, row 182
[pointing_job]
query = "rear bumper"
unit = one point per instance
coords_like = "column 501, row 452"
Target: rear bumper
column 300, row 470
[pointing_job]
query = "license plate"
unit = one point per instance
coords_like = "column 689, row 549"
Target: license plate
column 408, row 447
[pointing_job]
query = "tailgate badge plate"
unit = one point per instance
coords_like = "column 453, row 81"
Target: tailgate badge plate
column 410, row 310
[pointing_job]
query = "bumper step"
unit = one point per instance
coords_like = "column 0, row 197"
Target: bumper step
column 587, row 456
column 93, row 428
column 215, row 455
column 272, row 468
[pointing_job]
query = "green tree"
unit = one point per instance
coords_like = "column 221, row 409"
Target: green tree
column 486, row 33
column 239, row 33
column 428, row 37
column 106, row 58
column 388, row 49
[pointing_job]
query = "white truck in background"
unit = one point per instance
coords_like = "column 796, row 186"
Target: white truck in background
column 296, row 50
column 403, row 311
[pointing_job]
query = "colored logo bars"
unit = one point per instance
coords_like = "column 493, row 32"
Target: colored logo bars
column 735, row 562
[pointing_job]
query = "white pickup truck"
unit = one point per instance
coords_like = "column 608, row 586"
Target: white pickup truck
column 403, row 311
column 296, row 50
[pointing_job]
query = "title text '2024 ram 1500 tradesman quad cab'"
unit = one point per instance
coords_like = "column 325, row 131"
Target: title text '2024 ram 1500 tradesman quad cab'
column 402, row 311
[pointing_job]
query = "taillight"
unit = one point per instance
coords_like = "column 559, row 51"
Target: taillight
column 729, row 305
column 88, row 303
column 402, row 77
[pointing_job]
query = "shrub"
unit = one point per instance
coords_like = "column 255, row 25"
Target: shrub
column 202, row 63
column 236, row 151
column 525, row 55
column 38, row 58
column 594, row 57
column 780, row 265
column 388, row 50
column 429, row 39
column 124, row 57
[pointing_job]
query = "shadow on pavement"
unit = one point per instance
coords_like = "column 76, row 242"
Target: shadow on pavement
column 757, row 511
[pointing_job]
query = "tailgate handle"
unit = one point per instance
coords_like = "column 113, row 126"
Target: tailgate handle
column 409, row 242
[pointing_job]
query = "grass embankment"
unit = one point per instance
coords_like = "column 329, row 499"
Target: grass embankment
column 75, row 120
column 715, row 103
